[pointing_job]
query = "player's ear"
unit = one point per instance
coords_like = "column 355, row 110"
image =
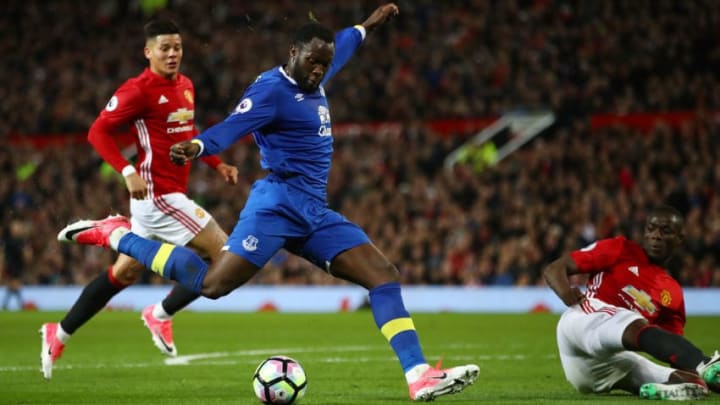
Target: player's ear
column 680, row 237
column 292, row 60
column 677, row 223
column 147, row 52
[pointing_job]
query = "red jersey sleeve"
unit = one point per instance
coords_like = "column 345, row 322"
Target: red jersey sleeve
column 598, row 256
column 125, row 106
column 673, row 318
column 212, row 160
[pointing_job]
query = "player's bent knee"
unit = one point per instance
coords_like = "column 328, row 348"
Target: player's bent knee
column 126, row 275
column 128, row 279
column 126, row 270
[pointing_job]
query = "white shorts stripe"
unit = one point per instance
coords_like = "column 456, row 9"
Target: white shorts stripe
column 174, row 218
column 588, row 308
column 178, row 214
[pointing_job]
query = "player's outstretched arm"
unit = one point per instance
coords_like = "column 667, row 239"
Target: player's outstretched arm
column 380, row 16
column 348, row 40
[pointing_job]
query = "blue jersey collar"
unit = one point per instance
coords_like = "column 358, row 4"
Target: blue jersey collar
column 287, row 76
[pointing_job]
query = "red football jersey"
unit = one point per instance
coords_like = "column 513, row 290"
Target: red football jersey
column 160, row 112
column 621, row 274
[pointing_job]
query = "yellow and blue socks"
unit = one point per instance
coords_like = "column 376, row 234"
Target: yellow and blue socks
column 169, row 261
column 395, row 323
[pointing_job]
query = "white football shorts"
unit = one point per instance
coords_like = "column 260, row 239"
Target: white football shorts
column 593, row 357
column 172, row 218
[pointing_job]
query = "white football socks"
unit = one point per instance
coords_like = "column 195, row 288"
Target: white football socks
column 115, row 236
column 416, row 372
column 61, row 335
column 159, row 312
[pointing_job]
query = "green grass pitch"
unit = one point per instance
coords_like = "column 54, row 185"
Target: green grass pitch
column 113, row 361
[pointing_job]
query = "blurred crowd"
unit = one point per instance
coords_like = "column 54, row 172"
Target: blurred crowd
column 499, row 226
column 438, row 59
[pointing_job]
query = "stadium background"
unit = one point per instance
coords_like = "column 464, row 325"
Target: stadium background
column 633, row 85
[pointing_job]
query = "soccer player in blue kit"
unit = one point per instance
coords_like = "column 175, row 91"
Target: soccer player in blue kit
column 287, row 113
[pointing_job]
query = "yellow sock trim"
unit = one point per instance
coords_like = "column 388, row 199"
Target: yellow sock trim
column 392, row 328
column 161, row 258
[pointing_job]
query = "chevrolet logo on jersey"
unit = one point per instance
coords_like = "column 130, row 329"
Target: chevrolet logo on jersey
column 181, row 116
column 641, row 299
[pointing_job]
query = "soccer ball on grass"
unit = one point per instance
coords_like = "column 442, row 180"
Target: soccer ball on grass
column 279, row 380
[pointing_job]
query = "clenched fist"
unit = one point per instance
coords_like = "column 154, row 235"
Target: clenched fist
column 182, row 152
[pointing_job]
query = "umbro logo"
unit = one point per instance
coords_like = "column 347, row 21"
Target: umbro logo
column 633, row 270
column 162, row 99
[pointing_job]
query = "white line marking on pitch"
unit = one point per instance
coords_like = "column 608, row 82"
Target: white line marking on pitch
column 222, row 358
column 182, row 360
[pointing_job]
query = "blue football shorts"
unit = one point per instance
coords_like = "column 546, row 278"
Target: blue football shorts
column 278, row 215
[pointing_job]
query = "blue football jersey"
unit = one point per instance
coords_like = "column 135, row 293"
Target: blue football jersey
column 292, row 128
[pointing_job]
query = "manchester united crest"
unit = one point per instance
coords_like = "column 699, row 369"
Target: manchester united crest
column 665, row 298
column 189, row 97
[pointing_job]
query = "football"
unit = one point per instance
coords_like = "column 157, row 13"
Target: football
column 279, row 380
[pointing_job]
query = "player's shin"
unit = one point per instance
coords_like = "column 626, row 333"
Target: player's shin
column 169, row 261
column 395, row 323
column 93, row 298
column 669, row 347
column 178, row 298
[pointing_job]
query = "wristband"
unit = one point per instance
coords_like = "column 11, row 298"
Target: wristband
column 128, row 170
column 199, row 143
column 363, row 31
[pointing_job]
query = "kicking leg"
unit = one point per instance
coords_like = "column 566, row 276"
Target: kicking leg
column 158, row 317
column 367, row 266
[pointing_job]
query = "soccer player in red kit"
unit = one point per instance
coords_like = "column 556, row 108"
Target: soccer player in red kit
column 158, row 105
column 631, row 305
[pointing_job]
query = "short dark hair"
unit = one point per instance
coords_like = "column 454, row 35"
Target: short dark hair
column 160, row 27
column 313, row 30
column 668, row 211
